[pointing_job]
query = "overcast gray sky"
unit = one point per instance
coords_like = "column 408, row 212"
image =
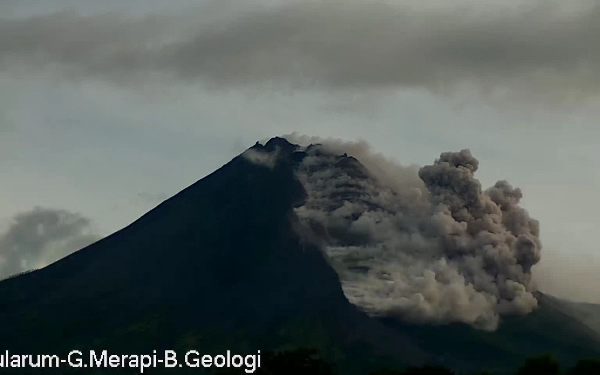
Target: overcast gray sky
column 106, row 108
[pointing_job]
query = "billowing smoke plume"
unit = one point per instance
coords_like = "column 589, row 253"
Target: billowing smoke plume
column 427, row 245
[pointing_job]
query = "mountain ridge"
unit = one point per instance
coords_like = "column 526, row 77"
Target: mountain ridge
column 221, row 264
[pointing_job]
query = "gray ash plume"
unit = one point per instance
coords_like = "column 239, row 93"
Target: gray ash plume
column 426, row 245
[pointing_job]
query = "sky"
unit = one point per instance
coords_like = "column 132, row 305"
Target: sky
column 108, row 108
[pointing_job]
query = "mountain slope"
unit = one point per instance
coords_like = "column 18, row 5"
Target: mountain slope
column 546, row 330
column 587, row 313
column 221, row 266
column 218, row 263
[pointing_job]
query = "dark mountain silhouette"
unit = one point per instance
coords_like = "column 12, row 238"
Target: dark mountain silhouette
column 588, row 313
column 220, row 266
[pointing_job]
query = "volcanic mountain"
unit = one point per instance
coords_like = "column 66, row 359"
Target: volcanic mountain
column 290, row 246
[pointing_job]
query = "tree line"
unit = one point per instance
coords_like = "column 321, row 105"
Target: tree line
column 307, row 361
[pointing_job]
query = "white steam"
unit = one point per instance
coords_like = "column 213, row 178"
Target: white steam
column 266, row 159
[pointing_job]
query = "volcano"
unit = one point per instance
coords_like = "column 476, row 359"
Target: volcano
column 238, row 261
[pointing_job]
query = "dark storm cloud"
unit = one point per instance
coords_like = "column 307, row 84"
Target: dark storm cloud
column 543, row 48
column 41, row 236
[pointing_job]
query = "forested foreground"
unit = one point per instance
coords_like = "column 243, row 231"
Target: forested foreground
column 306, row 361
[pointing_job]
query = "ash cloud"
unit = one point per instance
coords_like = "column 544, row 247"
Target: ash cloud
column 42, row 236
column 427, row 245
column 545, row 50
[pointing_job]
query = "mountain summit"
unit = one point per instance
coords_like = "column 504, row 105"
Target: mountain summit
column 322, row 245
column 429, row 246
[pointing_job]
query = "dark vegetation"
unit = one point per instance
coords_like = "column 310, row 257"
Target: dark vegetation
column 307, row 361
